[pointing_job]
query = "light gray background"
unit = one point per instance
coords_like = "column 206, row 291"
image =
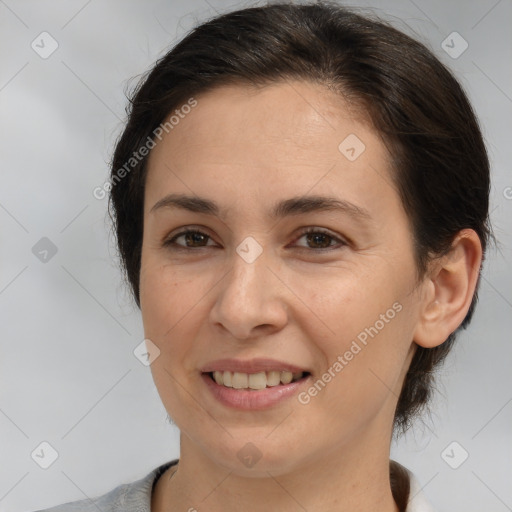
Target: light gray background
column 68, row 375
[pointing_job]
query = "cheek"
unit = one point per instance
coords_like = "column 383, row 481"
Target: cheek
column 344, row 303
column 169, row 301
column 174, row 303
column 365, row 356
column 362, row 327
column 166, row 295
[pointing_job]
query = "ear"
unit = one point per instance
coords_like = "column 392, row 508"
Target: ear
column 448, row 290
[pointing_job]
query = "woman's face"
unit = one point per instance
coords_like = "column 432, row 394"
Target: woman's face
column 303, row 263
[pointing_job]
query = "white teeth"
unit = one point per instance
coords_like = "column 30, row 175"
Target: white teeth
column 273, row 378
column 240, row 380
column 256, row 381
column 227, row 378
column 286, row 377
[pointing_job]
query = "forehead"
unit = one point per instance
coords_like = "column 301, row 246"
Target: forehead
column 281, row 139
column 283, row 114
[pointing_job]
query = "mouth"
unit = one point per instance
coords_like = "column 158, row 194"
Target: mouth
column 253, row 384
column 255, row 381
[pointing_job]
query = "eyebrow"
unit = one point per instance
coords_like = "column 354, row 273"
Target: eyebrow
column 294, row 206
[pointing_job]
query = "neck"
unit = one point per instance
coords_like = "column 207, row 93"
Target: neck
column 343, row 479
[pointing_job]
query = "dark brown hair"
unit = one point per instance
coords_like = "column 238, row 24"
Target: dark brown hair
column 441, row 169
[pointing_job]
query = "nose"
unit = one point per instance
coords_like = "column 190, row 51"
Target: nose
column 250, row 300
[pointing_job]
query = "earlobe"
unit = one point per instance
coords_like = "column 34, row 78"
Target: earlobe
column 448, row 290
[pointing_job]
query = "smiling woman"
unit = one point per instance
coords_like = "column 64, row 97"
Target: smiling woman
column 304, row 247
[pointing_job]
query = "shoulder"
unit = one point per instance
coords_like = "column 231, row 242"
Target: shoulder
column 407, row 490
column 132, row 497
column 418, row 501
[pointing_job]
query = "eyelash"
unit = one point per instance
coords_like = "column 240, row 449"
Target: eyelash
column 171, row 242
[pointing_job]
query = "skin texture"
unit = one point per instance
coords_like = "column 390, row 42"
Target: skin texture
column 246, row 149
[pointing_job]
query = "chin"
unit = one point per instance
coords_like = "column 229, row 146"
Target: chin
column 254, row 459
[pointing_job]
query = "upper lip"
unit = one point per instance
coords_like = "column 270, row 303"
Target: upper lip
column 250, row 366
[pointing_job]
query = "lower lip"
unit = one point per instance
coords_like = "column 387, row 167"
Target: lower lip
column 252, row 400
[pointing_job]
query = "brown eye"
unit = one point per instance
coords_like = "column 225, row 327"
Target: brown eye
column 192, row 239
column 319, row 239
